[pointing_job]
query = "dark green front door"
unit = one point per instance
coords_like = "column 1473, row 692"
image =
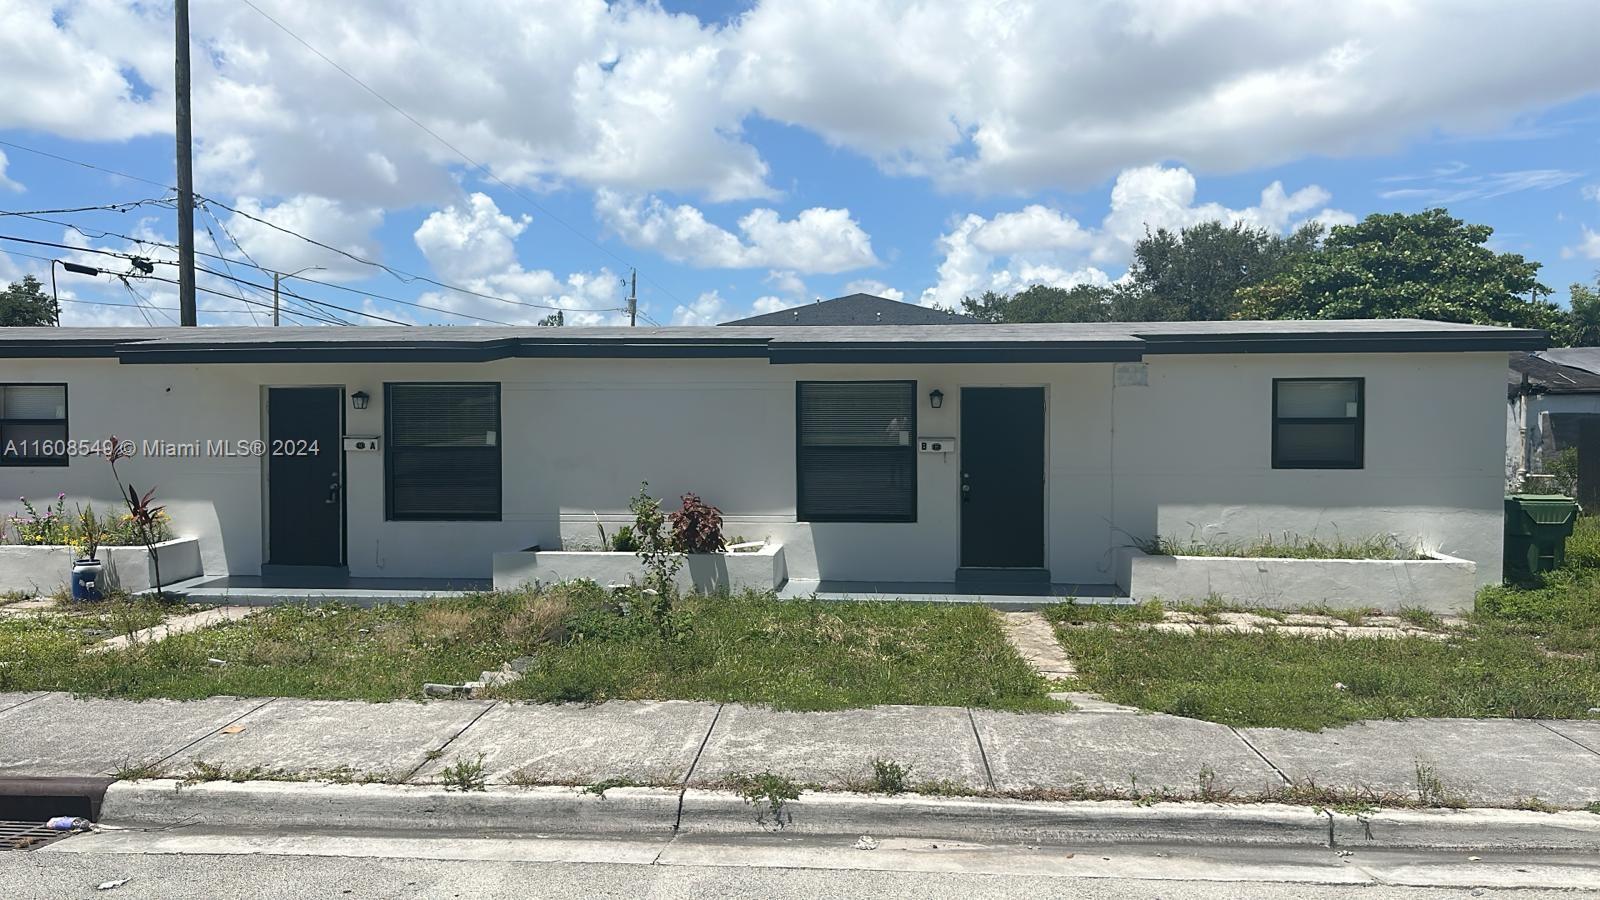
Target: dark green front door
column 305, row 494
column 1002, row 477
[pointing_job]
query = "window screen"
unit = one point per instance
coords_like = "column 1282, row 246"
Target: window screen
column 856, row 457
column 1318, row 423
column 443, row 451
column 33, row 424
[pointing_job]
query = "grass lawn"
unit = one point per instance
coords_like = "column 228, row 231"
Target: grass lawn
column 1527, row 652
column 585, row 645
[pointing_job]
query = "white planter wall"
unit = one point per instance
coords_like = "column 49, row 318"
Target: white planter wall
column 706, row 573
column 44, row 570
column 1441, row 584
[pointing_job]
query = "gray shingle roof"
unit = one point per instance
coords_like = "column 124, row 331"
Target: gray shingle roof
column 1056, row 342
column 857, row 309
column 1568, row 370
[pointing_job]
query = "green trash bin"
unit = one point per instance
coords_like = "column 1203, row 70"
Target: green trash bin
column 1537, row 527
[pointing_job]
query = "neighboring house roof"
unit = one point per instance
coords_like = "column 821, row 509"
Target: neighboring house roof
column 1096, row 342
column 1567, row 370
column 858, row 309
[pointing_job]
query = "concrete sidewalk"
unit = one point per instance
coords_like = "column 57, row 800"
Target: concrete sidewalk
column 1495, row 762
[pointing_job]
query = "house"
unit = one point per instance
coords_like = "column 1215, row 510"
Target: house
column 872, row 453
column 858, row 309
column 1553, row 404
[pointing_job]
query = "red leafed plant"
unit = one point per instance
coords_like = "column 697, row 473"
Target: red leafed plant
column 146, row 516
column 697, row 527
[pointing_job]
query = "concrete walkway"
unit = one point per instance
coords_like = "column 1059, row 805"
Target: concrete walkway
column 1496, row 762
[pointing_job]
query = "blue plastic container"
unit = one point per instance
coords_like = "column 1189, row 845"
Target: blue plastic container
column 86, row 579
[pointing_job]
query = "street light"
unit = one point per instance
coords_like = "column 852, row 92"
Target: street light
column 72, row 267
column 276, row 277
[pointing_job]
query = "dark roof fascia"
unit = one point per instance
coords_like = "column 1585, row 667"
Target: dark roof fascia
column 782, row 353
column 439, row 351
column 84, row 348
column 1414, row 342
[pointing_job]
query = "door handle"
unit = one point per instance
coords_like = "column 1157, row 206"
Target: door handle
column 966, row 489
column 333, row 490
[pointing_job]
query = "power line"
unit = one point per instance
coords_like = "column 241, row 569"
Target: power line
column 110, row 207
column 211, row 272
column 489, row 173
column 399, row 274
column 77, row 162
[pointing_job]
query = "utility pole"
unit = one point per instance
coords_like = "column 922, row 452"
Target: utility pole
column 275, row 279
column 633, row 299
column 186, row 311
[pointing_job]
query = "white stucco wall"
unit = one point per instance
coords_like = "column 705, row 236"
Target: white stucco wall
column 1194, row 453
column 1189, row 453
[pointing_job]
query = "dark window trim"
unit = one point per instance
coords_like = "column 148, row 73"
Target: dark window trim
column 389, row 448
column 25, row 462
column 911, row 449
column 1360, row 422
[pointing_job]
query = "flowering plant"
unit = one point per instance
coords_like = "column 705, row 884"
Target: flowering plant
column 50, row 527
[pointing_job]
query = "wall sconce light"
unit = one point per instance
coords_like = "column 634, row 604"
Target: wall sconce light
column 936, row 398
column 360, row 399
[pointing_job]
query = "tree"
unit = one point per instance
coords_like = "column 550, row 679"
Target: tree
column 1195, row 273
column 1190, row 274
column 1042, row 303
column 26, row 303
column 1426, row 265
column 1583, row 317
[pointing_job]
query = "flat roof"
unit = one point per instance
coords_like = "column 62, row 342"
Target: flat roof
column 789, row 344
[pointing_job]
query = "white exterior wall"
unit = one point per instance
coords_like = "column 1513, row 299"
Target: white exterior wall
column 1194, row 453
column 1191, row 451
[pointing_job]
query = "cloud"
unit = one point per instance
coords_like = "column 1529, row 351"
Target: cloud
column 472, row 245
column 321, row 218
column 470, row 242
column 1591, row 192
column 817, row 240
column 6, row 184
column 874, row 287
column 1450, row 186
column 704, row 310
column 1588, row 246
column 630, row 96
column 1041, row 245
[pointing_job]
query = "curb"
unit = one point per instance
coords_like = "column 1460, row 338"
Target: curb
column 344, row 808
column 1468, row 829
column 423, row 809
column 1008, row 821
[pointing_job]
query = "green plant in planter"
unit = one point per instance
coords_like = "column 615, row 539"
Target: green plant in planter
column 91, row 531
column 655, row 545
column 625, row 541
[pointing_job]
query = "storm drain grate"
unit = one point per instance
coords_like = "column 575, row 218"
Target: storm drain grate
column 27, row 835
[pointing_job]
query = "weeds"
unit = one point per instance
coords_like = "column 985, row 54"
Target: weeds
column 599, row 788
column 465, row 775
column 1287, row 546
column 889, row 777
column 775, row 791
column 1431, row 789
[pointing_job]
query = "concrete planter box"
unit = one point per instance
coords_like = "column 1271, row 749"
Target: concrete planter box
column 706, row 573
column 1441, row 584
column 43, row 570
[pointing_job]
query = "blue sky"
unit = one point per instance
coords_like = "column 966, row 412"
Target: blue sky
column 750, row 156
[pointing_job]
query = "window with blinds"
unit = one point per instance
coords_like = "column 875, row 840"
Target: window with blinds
column 443, row 456
column 33, row 424
column 856, row 456
column 1318, row 423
